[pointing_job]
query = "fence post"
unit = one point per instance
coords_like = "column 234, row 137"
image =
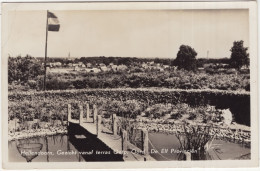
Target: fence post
column 69, row 114
column 114, row 124
column 124, row 141
column 95, row 113
column 145, row 142
column 80, row 114
column 187, row 156
column 87, row 106
column 98, row 125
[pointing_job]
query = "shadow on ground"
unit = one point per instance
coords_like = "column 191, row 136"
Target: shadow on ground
column 95, row 150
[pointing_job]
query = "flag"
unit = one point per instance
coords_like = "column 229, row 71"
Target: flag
column 53, row 22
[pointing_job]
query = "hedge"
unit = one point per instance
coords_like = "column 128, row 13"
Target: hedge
column 237, row 102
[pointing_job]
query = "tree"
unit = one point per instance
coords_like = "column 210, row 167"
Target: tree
column 239, row 55
column 186, row 58
column 23, row 69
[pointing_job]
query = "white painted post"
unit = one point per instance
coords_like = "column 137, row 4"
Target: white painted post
column 95, row 113
column 69, row 114
column 114, row 124
column 145, row 142
column 188, row 156
column 87, row 108
column 99, row 118
column 124, row 140
column 80, row 114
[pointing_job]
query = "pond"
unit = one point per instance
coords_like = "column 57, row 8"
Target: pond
column 167, row 146
column 53, row 149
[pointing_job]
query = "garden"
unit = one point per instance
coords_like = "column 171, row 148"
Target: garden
column 48, row 110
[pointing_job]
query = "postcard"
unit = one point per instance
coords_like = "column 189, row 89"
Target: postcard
column 129, row 85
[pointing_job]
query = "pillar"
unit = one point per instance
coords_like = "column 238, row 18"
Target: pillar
column 69, row 114
column 80, row 114
column 114, row 124
column 87, row 110
column 95, row 114
column 145, row 142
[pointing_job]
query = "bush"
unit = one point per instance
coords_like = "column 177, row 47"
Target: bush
column 179, row 79
column 32, row 84
column 158, row 110
column 176, row 116
column 57, row 84
column 238, row 102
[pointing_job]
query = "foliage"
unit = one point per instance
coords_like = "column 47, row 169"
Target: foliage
column 179, row 79
column 22, row 69
column 57, row 84
column 158, row 110
column 202, row 61
column 186, row 58
column 128, row 61
column 194, row 138
column 239, row 55
column 131, row 102
column 135, row 77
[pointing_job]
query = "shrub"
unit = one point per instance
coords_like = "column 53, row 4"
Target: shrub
column 238, row 102
column 57, row 84
column 176, row 116
column 32, row 84
column 158, row 110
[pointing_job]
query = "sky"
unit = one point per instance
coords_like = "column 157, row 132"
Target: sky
column 144, row 33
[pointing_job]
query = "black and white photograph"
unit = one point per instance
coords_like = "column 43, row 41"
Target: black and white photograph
column 129, row 82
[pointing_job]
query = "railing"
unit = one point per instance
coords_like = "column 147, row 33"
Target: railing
column 132, row 138
column 134, row 134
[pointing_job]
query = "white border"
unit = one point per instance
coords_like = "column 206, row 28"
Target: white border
column 140, row 6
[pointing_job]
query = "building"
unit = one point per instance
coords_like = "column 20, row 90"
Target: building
column 104, row 68
column 89, row 65
column 55, row 64
column 95, row 70
column 121, row 67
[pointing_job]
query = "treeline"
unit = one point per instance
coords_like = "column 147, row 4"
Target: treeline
column 128, row 61
column 202, row 61
column 26, row 73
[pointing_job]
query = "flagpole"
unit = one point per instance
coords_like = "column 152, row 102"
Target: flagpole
column 45, row 59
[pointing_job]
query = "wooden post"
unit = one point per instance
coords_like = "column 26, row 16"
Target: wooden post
column 145, row 142
column 95, row 114
column 187, row 155
column 124, row 141
column 114, row 124
column 69, row 114
column 80, row 114
column 99, row 118
column 87, row 108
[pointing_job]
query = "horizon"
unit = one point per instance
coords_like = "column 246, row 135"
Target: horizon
column 112, row 57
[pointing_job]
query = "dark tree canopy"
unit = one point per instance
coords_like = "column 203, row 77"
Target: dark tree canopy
column 186, row 58
column 239, row 55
